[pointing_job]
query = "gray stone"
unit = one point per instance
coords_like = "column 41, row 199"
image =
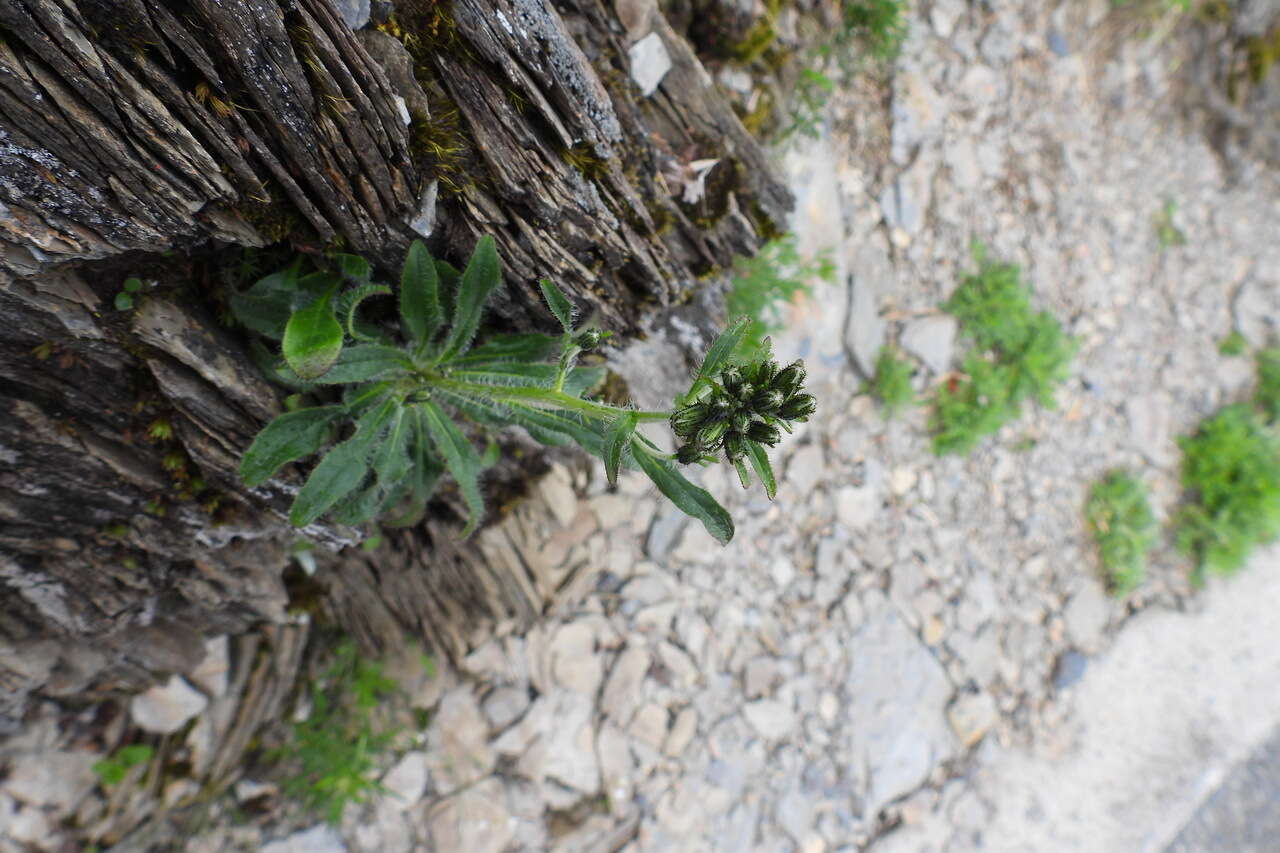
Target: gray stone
column 504, row 705
column 905, row 201
column 475, row 820
column 896, row 692
column 917, row 115
column 865, row 333
column 683, row 728
column 806, row 467
column 997, row 46
column 649, row 725
column 1057, row 43
column 574, row 661
column 1086, row 615
column 1069, row 669
column 50, row 780
column 1151, row 426
column 556, row 489
column 406, row 780
column 167, row 707
column 794, row 813
column 650, row 62
column 210, row 675
column 932, row 340
column 320, row 838
column 857, row 507
column 772, row 718
column 354, row 12
column 663, row 533
column 1254, row 313
column 971, row 716
column 622, row 690
column 458, row 750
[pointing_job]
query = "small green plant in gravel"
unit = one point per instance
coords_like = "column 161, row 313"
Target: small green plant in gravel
column 1266, row 392
column 1233, row 344
column 1231, row 477
column 112, row 769
column 760, row 284
column 1119, row 517
column 880, row 25
column 401, row 399
column 890, row 385
column 332, row 754
column 1168, row 235
column 1018, row 353
column 129, row 290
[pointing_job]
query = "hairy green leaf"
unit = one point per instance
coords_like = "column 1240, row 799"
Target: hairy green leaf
column 559, row 304
column 525, row 348
column 420, row 295
column 313, row 338
column 449, row 277
column 722, row 348
column 343, row 469
column 289, row 437
column 616, row 439
column 482, row 275
column 349, row 304
column 265, row 307
column 354, row 269
column 760, row 463
column 364, row 362
column 339, row 473
column 459, row 457
column 422, row 478
column 687, row 497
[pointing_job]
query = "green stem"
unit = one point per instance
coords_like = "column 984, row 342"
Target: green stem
column 551, row 397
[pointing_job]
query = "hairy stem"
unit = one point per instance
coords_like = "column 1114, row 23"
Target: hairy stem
column 552, row 398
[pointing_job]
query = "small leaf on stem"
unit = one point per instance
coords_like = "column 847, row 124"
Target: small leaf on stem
column 616, row 439
column 687, row 497
column 559, row 305
column 760, row 462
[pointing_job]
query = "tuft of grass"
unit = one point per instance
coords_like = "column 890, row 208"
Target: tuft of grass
column 1266, row 394
column 1233, row 344
column 1018, row 353
column 1119, row 517
column 891, row 384
column 761, row 284
column 880, row 25
column 1231, row 476
column 1168, row 235
column 333, row 752
column 112, row 769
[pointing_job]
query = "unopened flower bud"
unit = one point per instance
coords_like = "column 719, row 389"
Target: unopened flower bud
column 688, row 454
column 687, row 421
column 764, row 433
column 764, row 372
column 731, row 378
column 798, row 407
column 767, row 402
column 588, row 340
column 709, row 435
column 740, row 422
column 790, row 378
column 734, row 447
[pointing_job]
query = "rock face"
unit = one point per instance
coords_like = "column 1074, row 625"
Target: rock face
column 895, row 689
column 167, row 707
column 295, row 132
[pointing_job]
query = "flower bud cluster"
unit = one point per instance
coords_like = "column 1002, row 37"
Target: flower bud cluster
column 745, row 403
